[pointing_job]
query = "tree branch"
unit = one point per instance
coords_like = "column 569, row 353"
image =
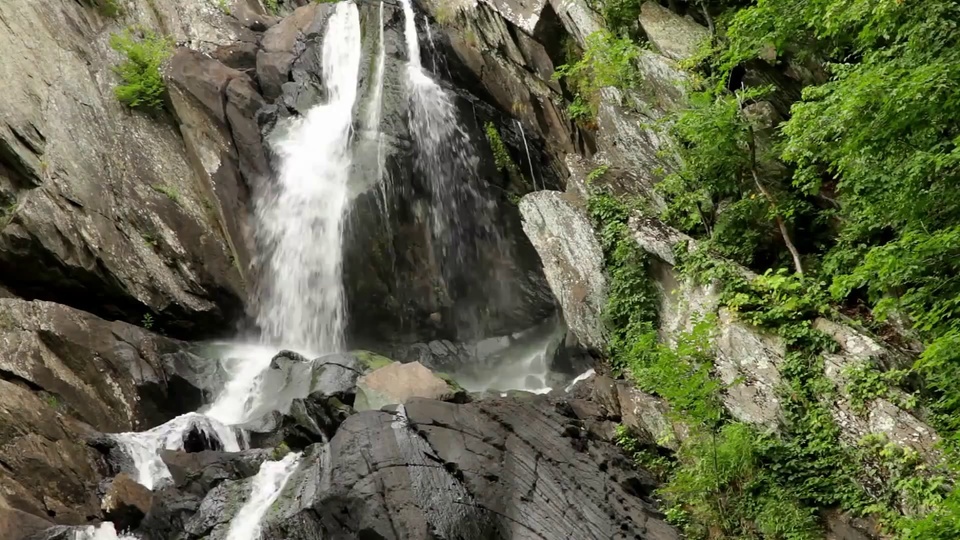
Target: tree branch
column 752, row 143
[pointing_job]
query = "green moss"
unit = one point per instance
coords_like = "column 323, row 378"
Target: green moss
column 454, row 385
column 279, row 451
column 372, row 360
column 171, row 192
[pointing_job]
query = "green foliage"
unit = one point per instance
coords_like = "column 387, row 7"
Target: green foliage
column 597, row 173
column 501, row 155
column 715, row 190
column 631, row 314
column 279, row 451
column 272, row 6
column 224, row 6
column 905, row 485
column 147, row 321
column 643, row 456
column 52, row 401
column 865, row 383
column 107, row 8
column 142, row 84
column 608, row 60
column 622, row 15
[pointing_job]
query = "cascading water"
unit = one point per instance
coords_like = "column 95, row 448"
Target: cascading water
column 301, row 220
column 144, row 447
column 466, row 237
column 264, row 490
column 372, row 132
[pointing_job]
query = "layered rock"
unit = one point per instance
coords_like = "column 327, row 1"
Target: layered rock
column 562, row 234
column 492, row 469
column 65, row 375
column 101, row 208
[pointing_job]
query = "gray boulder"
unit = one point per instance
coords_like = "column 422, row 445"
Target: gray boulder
column 560, row 230
column 492, row 469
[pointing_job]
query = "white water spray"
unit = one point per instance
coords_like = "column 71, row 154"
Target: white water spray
column 301, row 221
column 145, row 447
column 265, row 489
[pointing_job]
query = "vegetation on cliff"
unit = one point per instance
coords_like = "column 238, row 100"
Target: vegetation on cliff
column 852, row 205
column 142, row 85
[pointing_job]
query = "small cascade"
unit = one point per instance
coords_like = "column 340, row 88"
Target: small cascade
column 301, row 218
column 144, row 447
column 105, row 531
column 466, row 237
column 264, row 490
column 373, row 132
column 533, row 176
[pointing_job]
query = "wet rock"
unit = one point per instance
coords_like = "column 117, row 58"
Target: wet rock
column 198, row 439
column 560, row 230
column 171, row 510
column 66, row 375
column 199, row 472
column 126, row 502
column 491, row 469
column 286, row 357
column 19, row 525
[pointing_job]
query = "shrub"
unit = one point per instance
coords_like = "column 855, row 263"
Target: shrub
column 608, row 60
column 142, row 85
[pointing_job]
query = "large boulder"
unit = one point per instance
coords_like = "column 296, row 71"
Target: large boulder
column 199, row 472
column 491, row 469
column 126, row 502
column 100, row 206
column 560, row 230
column 397, row 383
column 675, row 37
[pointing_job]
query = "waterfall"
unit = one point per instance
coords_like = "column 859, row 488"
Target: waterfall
column 372, row 126
column 465, row 238
column 533, row 177
column 264, row 490
column 299, row 233
column 301, row 220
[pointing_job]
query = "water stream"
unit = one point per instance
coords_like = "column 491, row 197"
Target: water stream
column 300, row 224
column 264, row 490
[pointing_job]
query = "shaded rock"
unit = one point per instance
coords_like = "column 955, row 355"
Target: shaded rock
column 19, row 525
column 126, row 502
column 491, row 469
column 560, row 230
column 100, row 206
column 66, row 375
column 397, row 383
column 199, row 472
column 675, row 37
column 648, row 417
column 171, row 510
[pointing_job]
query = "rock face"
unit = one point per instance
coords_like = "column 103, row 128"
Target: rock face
column 126, row 502
column 64, row 374
column 397, row 383
column 492, row 469
column 673, row 36
column 562, row 234
column 749, row 360
column 100, row 205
